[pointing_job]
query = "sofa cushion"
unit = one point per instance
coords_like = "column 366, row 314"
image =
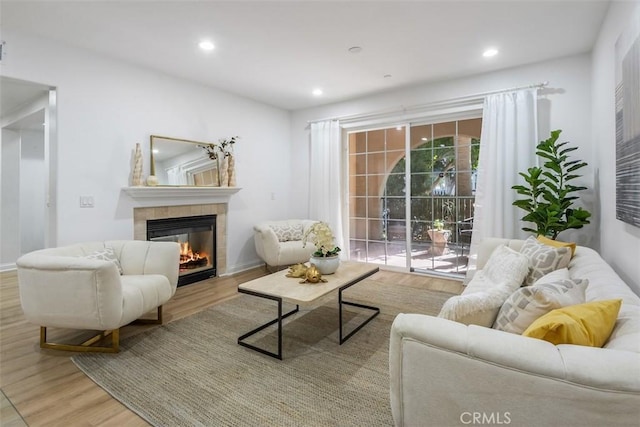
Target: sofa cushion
column 529, row 303
column 286, row 232
column 588, row 324
column 106, row 254
column 543, row 259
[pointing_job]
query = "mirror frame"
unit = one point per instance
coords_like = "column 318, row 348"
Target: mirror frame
column 200, row 144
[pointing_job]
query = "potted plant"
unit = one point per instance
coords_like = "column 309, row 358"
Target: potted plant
column 325, row 258
column 548, row 196
column 438, row 224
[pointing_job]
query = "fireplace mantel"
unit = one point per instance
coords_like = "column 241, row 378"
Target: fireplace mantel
column 180, row 195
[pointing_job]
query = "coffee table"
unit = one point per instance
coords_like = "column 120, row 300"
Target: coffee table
column 279, row 288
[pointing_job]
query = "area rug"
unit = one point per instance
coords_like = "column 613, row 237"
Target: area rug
column 191, row 372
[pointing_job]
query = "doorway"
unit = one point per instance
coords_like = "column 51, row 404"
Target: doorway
column 27, row 217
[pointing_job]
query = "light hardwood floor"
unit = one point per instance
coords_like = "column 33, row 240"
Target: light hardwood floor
column 46, row 388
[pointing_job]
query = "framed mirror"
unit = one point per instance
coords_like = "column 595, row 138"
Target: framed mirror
column 181, row 162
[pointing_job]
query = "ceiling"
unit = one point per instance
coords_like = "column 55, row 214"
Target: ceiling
column 277, row 52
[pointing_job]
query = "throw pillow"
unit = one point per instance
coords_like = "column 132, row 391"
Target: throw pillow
column 506, row 266
column 587, row 324
column 107, row 254
column 476, row 308
column 529, row 303
column 287, row 232
column 557, row 244
column 543, row 259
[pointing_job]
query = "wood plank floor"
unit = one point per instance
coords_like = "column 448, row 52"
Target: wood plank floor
column 46, row 388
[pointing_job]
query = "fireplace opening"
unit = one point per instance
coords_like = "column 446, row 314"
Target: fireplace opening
column 196, row 236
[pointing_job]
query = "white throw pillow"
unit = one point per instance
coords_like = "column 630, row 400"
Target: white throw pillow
column 506, row 266
column 529, row 303
column 487, row 291
column 543, row 259
column 476, row 308
column 107, row 254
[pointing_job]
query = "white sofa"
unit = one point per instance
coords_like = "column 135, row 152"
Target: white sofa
column 444, row 373
column 279, row 243
column 60, row 287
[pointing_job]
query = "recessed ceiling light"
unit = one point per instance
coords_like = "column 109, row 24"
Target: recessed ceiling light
column 424, row 138
column 490, row 52
column 355, row 49
column 206, row 45
column 317, row 92
column 155, row 151
column 399, row 128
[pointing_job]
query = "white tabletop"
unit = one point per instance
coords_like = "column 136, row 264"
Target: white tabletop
column 291, row 290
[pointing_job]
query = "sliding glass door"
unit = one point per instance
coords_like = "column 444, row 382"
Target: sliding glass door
column 411, row 194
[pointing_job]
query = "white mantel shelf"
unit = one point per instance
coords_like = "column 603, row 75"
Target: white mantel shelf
column 179, row 195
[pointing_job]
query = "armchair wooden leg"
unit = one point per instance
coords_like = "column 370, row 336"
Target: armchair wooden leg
column 157, row 321
column 85, row 346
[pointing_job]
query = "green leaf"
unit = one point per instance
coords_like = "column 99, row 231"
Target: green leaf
column 576, row 167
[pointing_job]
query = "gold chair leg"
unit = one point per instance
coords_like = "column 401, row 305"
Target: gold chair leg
column 157, row 321
column 85, row 346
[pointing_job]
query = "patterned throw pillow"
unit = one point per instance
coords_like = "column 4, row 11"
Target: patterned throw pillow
column 107, row 254
column 287, row 232
column 529, row 303
column 543, row 259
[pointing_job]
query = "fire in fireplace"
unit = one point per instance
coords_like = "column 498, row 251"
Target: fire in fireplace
column 196, row 235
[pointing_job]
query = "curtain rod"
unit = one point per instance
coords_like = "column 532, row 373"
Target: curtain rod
column 452, row 101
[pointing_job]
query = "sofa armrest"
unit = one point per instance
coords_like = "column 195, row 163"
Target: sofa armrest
column 65, row 291
column 139, row 257
column 267, row 244
column 439, row 369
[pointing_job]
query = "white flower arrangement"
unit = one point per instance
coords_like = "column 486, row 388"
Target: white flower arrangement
column 321, row 236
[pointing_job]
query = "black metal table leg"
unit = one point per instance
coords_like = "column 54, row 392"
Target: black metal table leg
column 277, row 320
column 341, row 302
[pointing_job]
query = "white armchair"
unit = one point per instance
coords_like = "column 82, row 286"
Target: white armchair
column 279, row 243
column 79, row 287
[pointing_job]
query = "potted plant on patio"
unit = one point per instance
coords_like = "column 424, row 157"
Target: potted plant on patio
column 325, row 258
column 548, row 196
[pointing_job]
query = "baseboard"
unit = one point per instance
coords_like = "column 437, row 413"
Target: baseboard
column 239, row 268
column 8, row 267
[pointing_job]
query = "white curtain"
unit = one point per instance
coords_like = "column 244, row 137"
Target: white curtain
column 507, row 146
column 325, row 177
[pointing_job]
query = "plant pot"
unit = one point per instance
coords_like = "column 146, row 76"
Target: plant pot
column 326, row 265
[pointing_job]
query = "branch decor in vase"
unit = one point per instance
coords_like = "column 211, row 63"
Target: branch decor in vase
column 548, row 196
column 325, row 258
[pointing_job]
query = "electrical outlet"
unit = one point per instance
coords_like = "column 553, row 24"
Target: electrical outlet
column 86, row 201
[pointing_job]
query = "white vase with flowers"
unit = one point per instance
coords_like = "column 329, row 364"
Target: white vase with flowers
column 325, row 258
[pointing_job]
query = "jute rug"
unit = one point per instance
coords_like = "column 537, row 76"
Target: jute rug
column 191, row 372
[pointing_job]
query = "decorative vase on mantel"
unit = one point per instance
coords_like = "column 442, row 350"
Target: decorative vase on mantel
column 223, row 171
column 232, row 170
column 325, row 265
column 136, row 173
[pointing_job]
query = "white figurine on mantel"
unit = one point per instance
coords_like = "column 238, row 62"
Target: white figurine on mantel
column 137, row 167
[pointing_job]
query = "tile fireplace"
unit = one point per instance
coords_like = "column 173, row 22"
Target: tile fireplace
column 200, row 230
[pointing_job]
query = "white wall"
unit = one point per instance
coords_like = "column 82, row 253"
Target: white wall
column 620, row 242
column 106, row 106
column 565, row 106
column 10, row 204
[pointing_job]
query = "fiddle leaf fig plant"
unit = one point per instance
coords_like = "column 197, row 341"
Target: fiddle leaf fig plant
column 548, row 195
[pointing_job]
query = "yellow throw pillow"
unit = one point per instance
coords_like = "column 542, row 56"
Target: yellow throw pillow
column 557, row 244
column 582, row 324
